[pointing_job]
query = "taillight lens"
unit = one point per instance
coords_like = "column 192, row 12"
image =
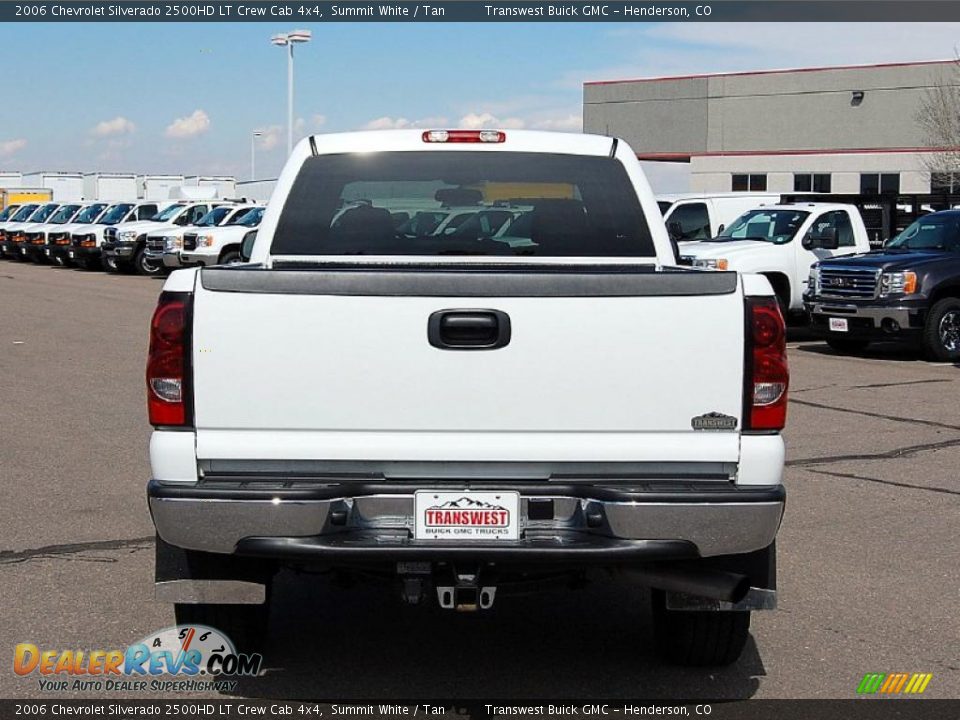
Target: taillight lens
column 767, row 373
column 168, row 362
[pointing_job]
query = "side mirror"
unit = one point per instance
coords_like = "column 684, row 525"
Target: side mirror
column 246, row 247
column 675, row 231
column 826, row 239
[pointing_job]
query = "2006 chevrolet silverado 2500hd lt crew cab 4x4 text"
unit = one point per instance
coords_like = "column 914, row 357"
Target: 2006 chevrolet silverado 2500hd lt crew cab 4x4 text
column 460, row 413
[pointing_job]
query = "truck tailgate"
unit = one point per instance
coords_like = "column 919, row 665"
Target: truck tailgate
column 288, row 367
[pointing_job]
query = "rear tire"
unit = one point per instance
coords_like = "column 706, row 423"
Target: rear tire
column 698, row 639
column 230, row 257
column 941, row 333
column 245, row 625
column 847, row 345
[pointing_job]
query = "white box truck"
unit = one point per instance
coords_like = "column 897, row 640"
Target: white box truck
column 66, row 186
column 226, row 186
column 158, row 187
column 258, row 191
column 110, row 187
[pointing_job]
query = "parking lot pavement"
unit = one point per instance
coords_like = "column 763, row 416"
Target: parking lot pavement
column 869, row 550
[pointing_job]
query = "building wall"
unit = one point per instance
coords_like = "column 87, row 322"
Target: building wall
column 809, row 109
column 713, row 173
column 670, row 116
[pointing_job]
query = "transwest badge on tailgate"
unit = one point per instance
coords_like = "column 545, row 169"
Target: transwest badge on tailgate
column 714, row 421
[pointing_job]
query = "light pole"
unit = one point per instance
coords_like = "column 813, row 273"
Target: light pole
column 289, row 40
column 253, row 153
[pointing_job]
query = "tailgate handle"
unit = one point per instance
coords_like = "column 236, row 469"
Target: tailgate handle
column 468, row 329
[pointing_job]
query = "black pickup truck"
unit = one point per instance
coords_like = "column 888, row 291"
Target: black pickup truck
column 907, row 291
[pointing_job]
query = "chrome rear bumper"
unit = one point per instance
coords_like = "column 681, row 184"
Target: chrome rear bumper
column 360, row 521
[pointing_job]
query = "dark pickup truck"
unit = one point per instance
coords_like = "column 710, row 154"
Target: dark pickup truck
column 908, row 291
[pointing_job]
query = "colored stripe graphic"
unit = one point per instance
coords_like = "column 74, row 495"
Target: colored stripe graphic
column 870, row 683
column 894, row 683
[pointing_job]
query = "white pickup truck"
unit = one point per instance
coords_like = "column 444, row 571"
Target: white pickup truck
column 782, row 242
column 460, row 415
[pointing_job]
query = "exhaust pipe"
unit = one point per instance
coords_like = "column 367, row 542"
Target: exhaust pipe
column 713, row 584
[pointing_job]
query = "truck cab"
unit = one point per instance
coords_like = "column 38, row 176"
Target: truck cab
column 35, row 236
column 14, row 234
column 908, row 292
column 690, row 217
column 13, row 217
column 125, row 245
column 217, row 245
column 57, row 249
column 781, row 242
column 171, row 241
column 86, row 241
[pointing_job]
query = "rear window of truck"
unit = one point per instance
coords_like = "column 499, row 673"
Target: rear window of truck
column 526, row 204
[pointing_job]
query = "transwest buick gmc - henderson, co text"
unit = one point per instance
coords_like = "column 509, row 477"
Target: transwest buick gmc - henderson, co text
column 462, row 413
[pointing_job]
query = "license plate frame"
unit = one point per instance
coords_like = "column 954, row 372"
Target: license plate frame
column 467, row 515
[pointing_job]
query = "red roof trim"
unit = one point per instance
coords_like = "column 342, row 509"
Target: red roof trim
column 829, row 151
column 769, row 72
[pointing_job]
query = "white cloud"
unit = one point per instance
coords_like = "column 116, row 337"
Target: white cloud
column 399, row 123
column 11, row 147
column 117, row 126
column 387, row 123
column 270, row 137
column 478, row 121
column 189, row 126
column 572, row 122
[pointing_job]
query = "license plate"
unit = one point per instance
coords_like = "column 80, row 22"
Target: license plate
column 72, row 254
column 838, row 325
column 466, row 515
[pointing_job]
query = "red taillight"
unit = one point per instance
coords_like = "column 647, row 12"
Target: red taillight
column 168, row 361
column 464, row 136
column 765, row 406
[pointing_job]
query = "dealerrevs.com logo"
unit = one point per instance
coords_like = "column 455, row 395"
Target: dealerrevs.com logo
column 183, row 651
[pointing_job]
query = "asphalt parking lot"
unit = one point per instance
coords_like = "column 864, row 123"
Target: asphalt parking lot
column 869, row 549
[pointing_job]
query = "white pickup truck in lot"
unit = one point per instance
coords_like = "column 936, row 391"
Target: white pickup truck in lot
column 782, row 242
column 459, row 415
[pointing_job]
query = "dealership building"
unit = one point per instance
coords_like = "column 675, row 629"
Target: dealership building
column 850, row 129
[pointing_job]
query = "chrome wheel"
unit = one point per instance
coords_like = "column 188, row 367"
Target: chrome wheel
column 949, row 331
column 147, row 266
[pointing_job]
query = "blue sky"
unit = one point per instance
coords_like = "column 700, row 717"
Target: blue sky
column 186, row 97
